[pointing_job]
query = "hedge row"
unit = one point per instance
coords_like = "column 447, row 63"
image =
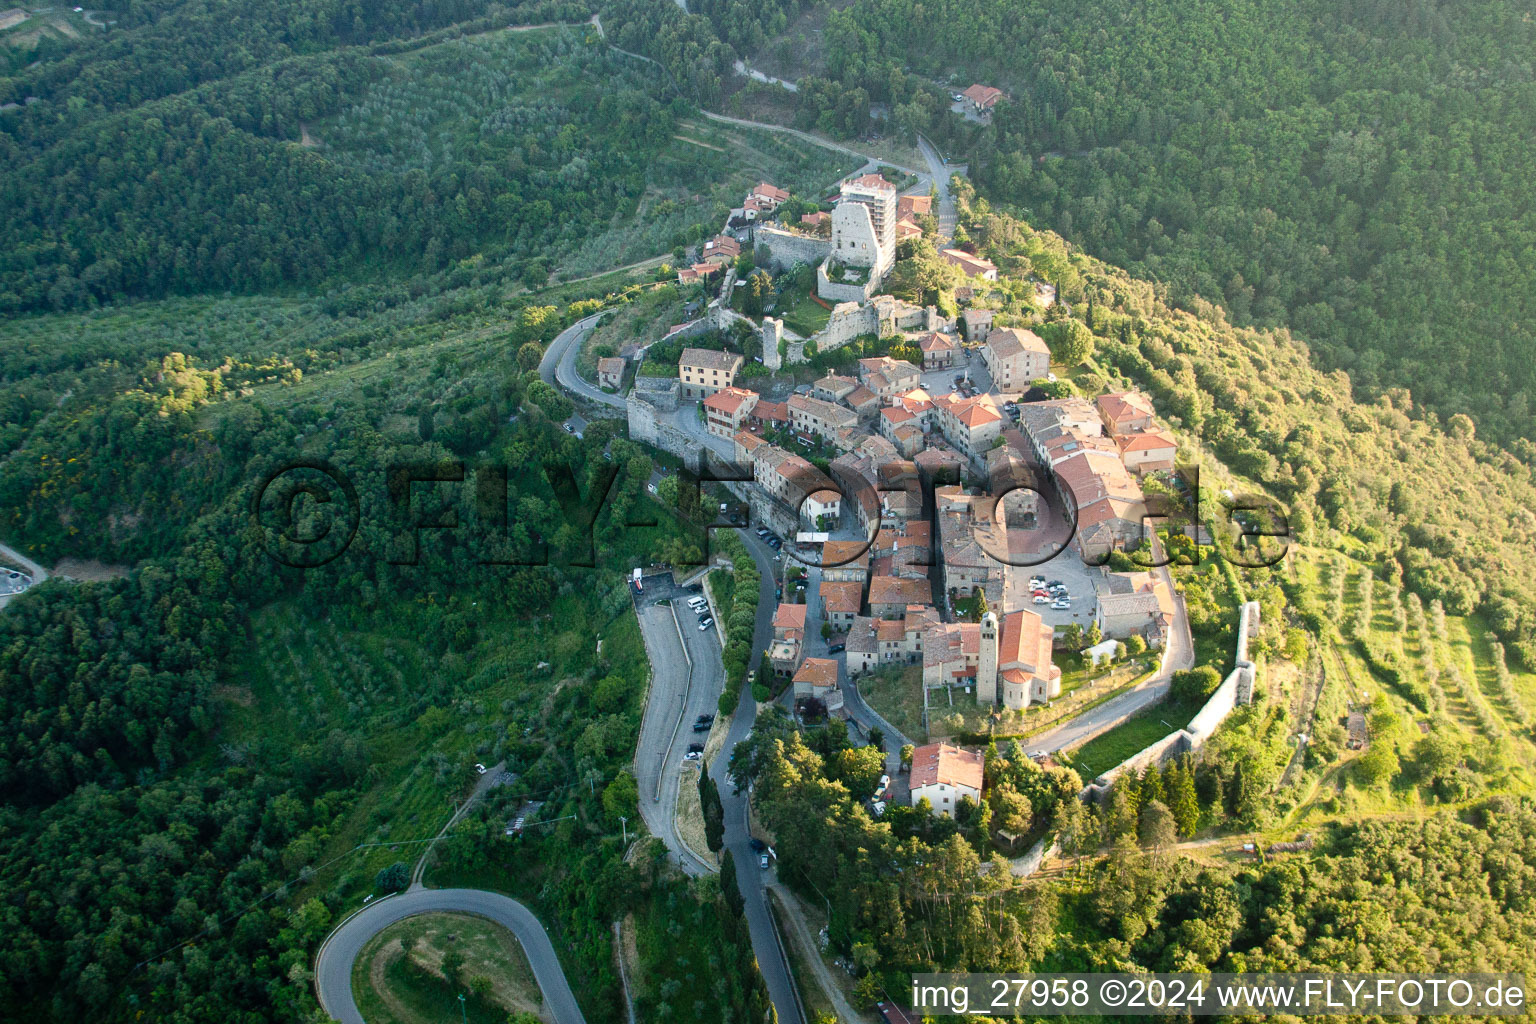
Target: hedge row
column 739, row 621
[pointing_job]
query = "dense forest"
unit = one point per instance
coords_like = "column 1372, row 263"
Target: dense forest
column 915, row 893
column 192, row 753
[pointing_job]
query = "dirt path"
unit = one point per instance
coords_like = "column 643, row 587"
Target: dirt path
column 805, row 938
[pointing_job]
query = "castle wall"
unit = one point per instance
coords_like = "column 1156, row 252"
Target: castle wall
column 785, row 249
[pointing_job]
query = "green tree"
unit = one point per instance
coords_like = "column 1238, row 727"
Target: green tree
column 1179, row 790
column 1071, row 341
column 1378, row 764
column 621, row 797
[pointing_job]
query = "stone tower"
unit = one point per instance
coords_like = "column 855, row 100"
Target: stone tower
column 986, row 661
column 770, row 333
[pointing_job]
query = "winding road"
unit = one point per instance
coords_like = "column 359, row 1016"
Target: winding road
column 333, row 964
column 771, row 958
column 558, row 367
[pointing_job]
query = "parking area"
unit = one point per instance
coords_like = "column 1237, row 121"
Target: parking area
column 942, row 382
column 1070, row 570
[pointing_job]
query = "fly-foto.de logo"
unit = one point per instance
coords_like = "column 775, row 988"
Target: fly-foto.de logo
column 309, row 512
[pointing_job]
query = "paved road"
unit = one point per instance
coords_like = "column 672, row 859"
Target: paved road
column 11, row 555
column 686, row 681
column 771, row 960
column 1180, row 655
column 940, row 172
column 558, row 367
column 814, row 139
column 333, row 964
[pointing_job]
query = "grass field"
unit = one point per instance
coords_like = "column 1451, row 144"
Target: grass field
column 804, row 315
column 392, row 986
column 897, row 694
column 1104, row 752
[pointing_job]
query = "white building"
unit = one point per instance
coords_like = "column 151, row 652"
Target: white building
column 945, row 775
column 864, row 224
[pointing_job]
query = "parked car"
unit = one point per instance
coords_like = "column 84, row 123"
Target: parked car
column 570, row 429
column 762, row 531
column 1042, row 599
column 724, row 505
column 705, row 623
column 1056, row 583
column 878, row 807
column 836, row 648
column 762, row 862
column 885, row 781
column 692, row 755
column 705, row 718
column 695, row 748
column 479, row 769
column 758, row 846
column 1061, row 606
column 701, row 727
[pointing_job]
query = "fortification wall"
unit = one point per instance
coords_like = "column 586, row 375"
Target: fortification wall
column 843, row 291
column 786, row 249
column 847, row 322
column 1236, row 689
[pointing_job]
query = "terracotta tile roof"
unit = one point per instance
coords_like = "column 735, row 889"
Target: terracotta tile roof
column 860, row 396
column 984, row 96
column 906, row 228
column 789, row 616
column 729, row 400
column 843, row 597
column 899, row 590
column 771, row 412
column 914, row 206
column 876, row 448
column 748, row 441
column 610, row 364
column 972, row 265
column 895, row 415
column 778, row 195
column 977, row 411
column 818, row 672
column 836, row 384
column 723, row 244
column 815, row 219
column 845, row 554
column 1126, row 405
column 873, row 181
column 1025, row 643
column 1090, row 475
column 1146, row 441
column 935, row 342
column 891, row 630
column 710, row 359
column 1006, row 342
column 942, row 764
column 863, row 635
